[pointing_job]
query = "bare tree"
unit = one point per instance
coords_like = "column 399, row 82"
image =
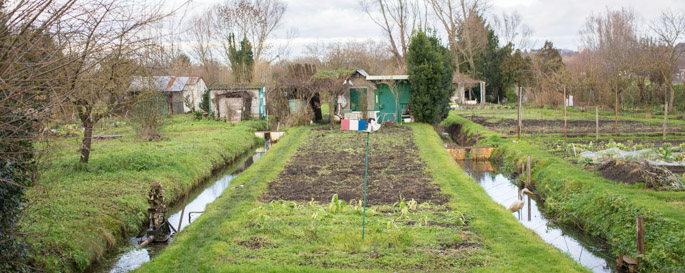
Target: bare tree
column 371, row 56
column 202, row 44
column 669, row 30
column 511, row 30
column 613, row 38
column 103, row 41
column 398, row 19
column 255, row 20
column 30, row 65
column 466, row 33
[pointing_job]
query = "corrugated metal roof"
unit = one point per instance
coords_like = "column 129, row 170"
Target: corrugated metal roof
column 387, row 78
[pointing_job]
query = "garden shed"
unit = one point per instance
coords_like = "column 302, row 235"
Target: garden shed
column 238, row 102
column 183, row 93
column 385, row 97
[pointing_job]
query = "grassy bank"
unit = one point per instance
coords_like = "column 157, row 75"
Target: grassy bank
column 244, row 232
column 514, row 247
column 594, row 204
column 77, row 212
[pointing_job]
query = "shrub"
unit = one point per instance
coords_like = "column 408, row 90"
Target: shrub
column 430, row 74
column 148, row 115
column 204, row 103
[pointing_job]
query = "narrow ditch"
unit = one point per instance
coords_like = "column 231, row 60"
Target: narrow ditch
column 585, row 249
column 129, row 256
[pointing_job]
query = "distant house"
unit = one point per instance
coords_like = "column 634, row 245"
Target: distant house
column 183, row 93
column 238, row 102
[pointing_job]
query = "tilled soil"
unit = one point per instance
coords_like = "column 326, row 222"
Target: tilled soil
column 332, row 162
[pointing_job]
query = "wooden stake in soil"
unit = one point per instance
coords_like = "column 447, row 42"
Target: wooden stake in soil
column 665, row 111
column 565, row 104
column 640, row 237
column 596, row 123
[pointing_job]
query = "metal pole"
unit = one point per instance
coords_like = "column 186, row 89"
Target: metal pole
column 366, row 174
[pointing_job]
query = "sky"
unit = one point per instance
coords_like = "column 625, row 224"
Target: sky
column 326, row 21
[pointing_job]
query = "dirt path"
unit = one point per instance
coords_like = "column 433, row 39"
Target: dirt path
column 332, row 162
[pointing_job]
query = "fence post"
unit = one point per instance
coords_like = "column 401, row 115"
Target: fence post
column 596, row 123
column 518, row 132
column 616, row 109
column 565, row 104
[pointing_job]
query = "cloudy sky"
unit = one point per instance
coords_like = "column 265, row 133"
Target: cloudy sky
column 555, row 20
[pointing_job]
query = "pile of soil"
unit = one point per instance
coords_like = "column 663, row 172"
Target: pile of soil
column 622, row 171
column 332, row 162
column 630, row 172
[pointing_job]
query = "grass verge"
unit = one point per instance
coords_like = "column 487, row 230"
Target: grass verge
column 602, row 208
column 77, row 212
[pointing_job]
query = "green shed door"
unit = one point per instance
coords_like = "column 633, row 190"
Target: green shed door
column 386, row 104
column 356, row 99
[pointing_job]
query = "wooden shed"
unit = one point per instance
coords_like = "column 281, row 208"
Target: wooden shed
column 238, row 102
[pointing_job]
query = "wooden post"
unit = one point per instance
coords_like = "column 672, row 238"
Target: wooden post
column 596, row 123
column 529, row 214
column 640, row 237
column 565, row 104
column 518, row 131
column 528, row 166
column 665, row 110
column 616, row 109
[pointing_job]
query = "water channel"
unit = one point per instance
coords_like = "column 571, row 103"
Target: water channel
column 129, row 257
column 588, row 251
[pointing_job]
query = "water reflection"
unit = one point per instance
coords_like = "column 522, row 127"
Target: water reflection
column 583, row 249
column 131, row 257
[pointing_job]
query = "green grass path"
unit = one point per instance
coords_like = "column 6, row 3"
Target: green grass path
column 514, row 248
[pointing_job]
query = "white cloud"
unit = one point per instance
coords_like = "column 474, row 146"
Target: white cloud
column 555, row 20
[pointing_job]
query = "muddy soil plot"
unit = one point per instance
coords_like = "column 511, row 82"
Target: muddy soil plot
column 332, row 162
